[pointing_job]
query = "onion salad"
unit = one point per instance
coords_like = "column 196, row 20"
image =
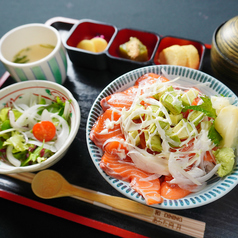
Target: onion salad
column 30, row 134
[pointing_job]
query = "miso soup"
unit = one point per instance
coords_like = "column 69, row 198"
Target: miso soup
column 33, row 53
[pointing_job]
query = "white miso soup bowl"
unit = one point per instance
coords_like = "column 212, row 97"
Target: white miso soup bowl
column 53, row 67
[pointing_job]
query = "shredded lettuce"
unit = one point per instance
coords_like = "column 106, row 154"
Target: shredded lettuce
column 17, row 141
column 3, row 113
column 56, row 107
column 33, row 156
column 5, row 125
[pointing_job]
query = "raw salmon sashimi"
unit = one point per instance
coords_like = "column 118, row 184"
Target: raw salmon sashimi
column 106, row 127
column 119, row 100
column 149, row 78
column 107, row 135
column 125, row 170
column 125, row 98
column 173, row 191
column 116, row 145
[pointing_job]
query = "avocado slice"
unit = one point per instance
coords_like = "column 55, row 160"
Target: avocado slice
column 174, row 140
column 152, row 128
column 189, row 96
column 175, row 118
column 134, row 135
column 159, row 94
column 164, row 125
column 136, row 107
column 154, row 109
column 183, row 129
column 155, row 141
column 195, row 117
column 172, row 101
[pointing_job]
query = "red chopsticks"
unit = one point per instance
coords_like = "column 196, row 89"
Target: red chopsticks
column 69, row 216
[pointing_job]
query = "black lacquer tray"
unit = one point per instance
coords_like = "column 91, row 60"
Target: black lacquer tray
column 78, row 168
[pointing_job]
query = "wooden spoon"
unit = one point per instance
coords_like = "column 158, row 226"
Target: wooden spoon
column 50, row 184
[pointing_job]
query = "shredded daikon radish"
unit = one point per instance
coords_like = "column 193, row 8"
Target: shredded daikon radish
column 149, row 163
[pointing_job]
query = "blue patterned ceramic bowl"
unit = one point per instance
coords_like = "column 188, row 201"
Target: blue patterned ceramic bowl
column 216, row 188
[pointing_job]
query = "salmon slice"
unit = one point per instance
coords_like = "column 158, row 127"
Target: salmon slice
column 149, row 78
column 124, row 169
column 110, row 139
column 173, row 191
column 100, row 134
column 116, row 146
column 125, row 98
column 119, row 100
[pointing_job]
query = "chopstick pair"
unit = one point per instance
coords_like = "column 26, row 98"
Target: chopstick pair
column 157, row 217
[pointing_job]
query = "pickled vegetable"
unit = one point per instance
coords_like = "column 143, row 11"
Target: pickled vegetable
column 228, row 131
column 96, row 45
column 99, row 43
column 134, row 50
column 86, row 45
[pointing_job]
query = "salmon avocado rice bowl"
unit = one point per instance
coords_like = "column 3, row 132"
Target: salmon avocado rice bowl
column 166, row 139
